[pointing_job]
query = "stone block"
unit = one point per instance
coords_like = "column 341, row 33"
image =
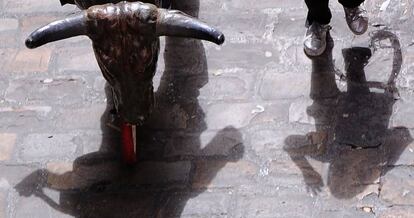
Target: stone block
column 7, row 144
column 38, row 147
column 398, row 187
column 223, row 174
column 30, row 61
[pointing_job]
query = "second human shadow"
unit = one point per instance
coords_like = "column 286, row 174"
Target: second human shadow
column 352, row 133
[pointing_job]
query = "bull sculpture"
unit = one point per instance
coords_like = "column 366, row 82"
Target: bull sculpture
column 125, row 38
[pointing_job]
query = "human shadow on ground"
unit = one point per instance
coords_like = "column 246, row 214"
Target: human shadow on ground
column 352, row 133
column 168, row 174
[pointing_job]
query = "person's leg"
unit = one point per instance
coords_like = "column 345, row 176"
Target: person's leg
column 317, row 23
column 318, row 10
column 355, row 15
column 351, row 3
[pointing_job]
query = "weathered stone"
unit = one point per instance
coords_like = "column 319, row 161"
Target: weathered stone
column 37, row 208
column 206, row 144
column 37, row 147
column 6, row 55
column 77, row 59
column 61, row 90
column 207, row 205
column 27, row 61
column 7, row 142
column 284, row 85
column 275, row 112
column 405, row 115
column 33, row 6
column 108, row 204
column 225, row 86
column 93, row 170
column 298, row 112
column 398, row 187
column 398, row 212
column 283, row 204
column 7, row 24
column 238, row 115
column 155, row 173
column 90, row 117
column 3, row 203
column 221, row 173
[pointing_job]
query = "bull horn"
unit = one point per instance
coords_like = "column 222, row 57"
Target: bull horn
column 178, row 24
column 71, row 26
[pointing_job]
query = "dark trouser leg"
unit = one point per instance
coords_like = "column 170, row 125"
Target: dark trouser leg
column 351, row 3
column 318, row 10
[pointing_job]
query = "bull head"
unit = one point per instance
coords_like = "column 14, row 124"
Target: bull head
column 126, row 45
column 84, row 4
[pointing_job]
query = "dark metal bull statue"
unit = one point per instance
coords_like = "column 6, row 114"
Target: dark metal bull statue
column 126, row 44
column 84, row 4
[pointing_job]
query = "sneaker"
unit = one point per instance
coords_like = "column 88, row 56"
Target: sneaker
column 315, row 39
column 357, row 19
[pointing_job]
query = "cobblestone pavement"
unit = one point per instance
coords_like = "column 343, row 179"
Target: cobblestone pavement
column 253, row 128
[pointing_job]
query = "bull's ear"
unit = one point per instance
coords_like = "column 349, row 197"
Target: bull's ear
column 176, row 23
column 74, row 25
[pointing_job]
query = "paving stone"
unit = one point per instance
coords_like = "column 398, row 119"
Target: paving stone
column 124, row 204
column 207, row 204
column 298, row 112
column 57, row 90
column 397, row 211
column 285, row 173
column 28, row 61
column 225, row 54
column 36, row 207
column 398, row 186
column 6, row 56
column 238, row 115
column 274, row 85
column 153, row 173
column 92, row 170
column 213, row 143
column 37, row 147
column 9, row 39
column 220, row 173
column 268, row 140
column 275, row 112
column 403, row 116
column 228, row 87
column 68, row 176
column 196, row 205
column 32, row 6
column 91, row 117
column 77, row 59
column 329, row 206
column 7, row 24
column 3, row 203
column 7, row 144
column 13, row 174
column 31, row 117
column 287, row 204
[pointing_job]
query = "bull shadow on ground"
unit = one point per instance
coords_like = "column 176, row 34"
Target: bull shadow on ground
column 352, row 133
column 164, row 180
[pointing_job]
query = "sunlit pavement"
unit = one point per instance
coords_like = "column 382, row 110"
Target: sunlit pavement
column 253, row 128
